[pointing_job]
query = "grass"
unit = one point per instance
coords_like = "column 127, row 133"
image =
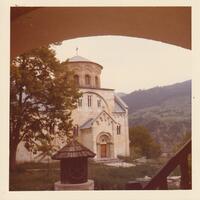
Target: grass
column 115, row 178
column 27, row 179
column 105, row 177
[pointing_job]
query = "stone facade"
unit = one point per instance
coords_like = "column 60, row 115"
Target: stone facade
column 101, row 118
column 86, row 74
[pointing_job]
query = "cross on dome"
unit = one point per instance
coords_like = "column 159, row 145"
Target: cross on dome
column 77, row 51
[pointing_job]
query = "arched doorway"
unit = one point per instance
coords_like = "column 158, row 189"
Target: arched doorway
column 104, row 146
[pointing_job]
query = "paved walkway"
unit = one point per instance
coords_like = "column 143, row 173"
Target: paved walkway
column 120, row 164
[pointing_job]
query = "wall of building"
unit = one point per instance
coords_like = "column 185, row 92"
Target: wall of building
column 86, row 138
column 83, row 113
column 81, row 69
column 122, row 140
column 104, row 125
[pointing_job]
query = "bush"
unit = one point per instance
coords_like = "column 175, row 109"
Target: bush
column 142, row 143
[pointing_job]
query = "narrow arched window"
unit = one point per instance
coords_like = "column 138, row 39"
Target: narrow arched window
column 76, row 79
column 118, row 129
column 75, row 130
column 89, row 100
column 96, row 81
column 87, row 79
column 98, row 103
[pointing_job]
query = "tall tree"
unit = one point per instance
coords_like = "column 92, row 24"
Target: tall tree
column 42, row 97
column 143, row 143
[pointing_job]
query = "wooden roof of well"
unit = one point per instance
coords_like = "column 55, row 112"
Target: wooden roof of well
column 73, row 150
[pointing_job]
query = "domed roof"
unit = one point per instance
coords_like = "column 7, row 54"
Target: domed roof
column 78, row 59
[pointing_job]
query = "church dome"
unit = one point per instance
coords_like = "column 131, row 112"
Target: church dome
column 78, row 59
column 86, row 73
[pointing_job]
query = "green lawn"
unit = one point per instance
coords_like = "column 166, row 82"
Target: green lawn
column 105, row 177
column 115, row 178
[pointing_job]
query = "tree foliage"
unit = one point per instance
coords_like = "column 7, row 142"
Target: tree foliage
column 143, row 143
column 185, row 138
column 42, row 97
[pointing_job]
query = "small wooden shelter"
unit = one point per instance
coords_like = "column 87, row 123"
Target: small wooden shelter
column 73, row 162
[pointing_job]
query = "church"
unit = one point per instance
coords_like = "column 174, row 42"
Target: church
column 101, row 117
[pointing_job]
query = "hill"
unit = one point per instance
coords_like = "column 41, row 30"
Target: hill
column 165, row 111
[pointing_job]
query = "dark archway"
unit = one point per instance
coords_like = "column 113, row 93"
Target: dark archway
column 33, row 27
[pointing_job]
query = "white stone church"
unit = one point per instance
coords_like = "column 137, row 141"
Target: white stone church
column 101, row 118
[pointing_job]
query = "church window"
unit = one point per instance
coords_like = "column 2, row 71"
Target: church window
column 98, row 103
column 87, row 79
column 75, row 130
column 89, row 100
column 96, row 81
column 118, row 129
column 76, row 79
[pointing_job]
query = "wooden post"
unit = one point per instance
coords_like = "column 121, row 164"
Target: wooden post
column 185, row 177
column 163, row 184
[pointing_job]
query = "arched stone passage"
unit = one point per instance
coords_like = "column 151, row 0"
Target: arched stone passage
column 105, row 148
column 31, row 28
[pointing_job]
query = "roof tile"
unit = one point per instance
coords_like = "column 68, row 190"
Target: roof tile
column 73, row 150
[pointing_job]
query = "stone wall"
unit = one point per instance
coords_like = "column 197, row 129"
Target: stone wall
column 86, row 68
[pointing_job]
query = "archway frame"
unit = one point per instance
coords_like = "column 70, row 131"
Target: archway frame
column 34, row 27
column 109, row 145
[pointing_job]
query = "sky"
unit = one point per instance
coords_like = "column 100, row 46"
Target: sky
column 129, row 63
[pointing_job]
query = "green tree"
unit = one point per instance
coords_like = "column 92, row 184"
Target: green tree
column 143, row 143
column 42, row 97
column 185, row 138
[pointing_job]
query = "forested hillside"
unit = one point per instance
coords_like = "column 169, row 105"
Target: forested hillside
column 164, row 111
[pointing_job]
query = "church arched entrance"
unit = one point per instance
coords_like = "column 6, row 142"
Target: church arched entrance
column 104, row 146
